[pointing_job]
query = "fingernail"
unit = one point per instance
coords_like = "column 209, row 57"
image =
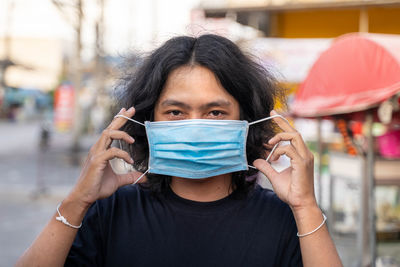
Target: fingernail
column 270, row 141
column 132, row 139
column 131, row 160
column 273, row 112
column 122, row 109
column 130, row 109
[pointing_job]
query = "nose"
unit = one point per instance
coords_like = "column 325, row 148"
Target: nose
column 194, row 115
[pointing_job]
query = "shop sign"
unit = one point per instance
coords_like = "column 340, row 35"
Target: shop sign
column 64, row 108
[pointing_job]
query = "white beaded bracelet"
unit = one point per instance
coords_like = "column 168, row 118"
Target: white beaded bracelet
column 63, row 220
column 316, row 229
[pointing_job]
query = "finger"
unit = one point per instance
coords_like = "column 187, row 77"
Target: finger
column 282, row 123
column 263, row 166
column 116, row 153
column 267, row 150
column 130, row 178
column 118, row 122
column 274, row 157
column 295, row 139
column 268, row 146
column 290, row 152
column 269, row 155
column 109, row 135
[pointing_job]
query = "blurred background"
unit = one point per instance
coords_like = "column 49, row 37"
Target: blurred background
column 339, row 60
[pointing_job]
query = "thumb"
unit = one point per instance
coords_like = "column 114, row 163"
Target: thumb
column 131, row 177
column 266, row 168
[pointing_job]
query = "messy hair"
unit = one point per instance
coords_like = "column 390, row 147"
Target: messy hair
column 254, row 87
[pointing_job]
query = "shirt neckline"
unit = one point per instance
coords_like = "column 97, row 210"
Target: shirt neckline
column 200, row 207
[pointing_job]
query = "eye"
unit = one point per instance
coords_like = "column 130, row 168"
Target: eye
column 216, row 113
column 175, row 112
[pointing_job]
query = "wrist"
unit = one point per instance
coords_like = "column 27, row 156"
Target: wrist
column 307, row 218
column 304, row 206
column 74, row 208
column 76, row 199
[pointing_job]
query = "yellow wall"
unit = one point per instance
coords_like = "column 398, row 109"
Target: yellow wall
column 384, row 20
column 325, row 23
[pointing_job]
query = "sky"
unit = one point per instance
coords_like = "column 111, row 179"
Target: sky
column 130, row 24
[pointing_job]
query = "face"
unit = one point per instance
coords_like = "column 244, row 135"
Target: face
column 193, row 92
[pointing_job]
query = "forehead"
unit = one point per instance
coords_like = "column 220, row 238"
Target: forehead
column 194, row 83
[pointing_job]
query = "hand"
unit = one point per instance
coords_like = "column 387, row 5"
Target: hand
column 97, row 179
column 295, row 184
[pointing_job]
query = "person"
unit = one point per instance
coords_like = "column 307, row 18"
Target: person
column 197, row 129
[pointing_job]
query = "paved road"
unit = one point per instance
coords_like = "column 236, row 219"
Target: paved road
column 23, row 171
column 22, row 163
column 21, row 221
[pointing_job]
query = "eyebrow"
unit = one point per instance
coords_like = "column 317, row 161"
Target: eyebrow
column 216, row 103
column 171, row 102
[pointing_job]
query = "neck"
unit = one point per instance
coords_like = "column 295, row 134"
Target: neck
column 203, row 190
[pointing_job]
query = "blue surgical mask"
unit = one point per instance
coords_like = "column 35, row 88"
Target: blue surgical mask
column 197, row 148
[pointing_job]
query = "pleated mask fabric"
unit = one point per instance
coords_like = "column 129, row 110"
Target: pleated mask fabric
column 198, row 148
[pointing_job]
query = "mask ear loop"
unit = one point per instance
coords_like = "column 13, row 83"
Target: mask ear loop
column 120, row 145
column 269, row 156
column 276, row 145
column 141, row 176
column 125, row 117
column 267, row 118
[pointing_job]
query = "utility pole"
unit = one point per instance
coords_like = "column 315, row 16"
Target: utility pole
column 77, row 79
column 367, row 238
column 154, row 7
column 100, row 104
column 100, row 67
column 76, row 22
column 6, row 62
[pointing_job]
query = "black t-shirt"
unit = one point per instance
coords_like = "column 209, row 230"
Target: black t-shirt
column 134, row 228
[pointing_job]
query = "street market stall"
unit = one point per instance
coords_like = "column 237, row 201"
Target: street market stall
column 356, row 83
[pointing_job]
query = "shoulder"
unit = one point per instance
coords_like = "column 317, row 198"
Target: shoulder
column 275, row 214
column 126, row 197
column 269, row 203
column 127, row 192
column 265, row 196
column 132, row 192
column 280, row 228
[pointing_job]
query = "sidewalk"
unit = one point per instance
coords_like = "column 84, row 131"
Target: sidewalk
column 21, row 221
column 24, row 171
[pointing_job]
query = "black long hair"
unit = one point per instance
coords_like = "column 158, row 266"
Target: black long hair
column 248, row 82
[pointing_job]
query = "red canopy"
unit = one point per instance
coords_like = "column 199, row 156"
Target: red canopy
column 357, row 72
